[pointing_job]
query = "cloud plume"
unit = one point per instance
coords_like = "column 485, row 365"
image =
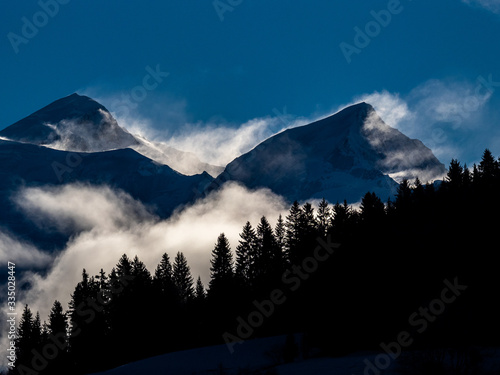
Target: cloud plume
column 444, row 114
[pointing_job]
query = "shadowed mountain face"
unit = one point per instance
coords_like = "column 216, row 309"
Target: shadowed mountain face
column 158, row 187
column 340, row 157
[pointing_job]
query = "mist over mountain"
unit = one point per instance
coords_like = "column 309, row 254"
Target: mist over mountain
column 79, row 123
column 73, row 123
column 340, row 157
column 76, row 140
column 23, row 165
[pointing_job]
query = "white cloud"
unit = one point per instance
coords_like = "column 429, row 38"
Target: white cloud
column 216, row 142
column 23, row 254
column 390, row 107
column 221, row 144
column 76, row 208
column 113, row 224
column 443, row 114
column 490, row 5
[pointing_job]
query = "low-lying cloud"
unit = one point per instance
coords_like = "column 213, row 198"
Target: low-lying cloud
column 112, row 224
column 23, row 254
column 76, row 208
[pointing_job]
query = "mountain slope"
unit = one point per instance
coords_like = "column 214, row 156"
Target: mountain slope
column 340, row 157
column 73, row 123
column 79, row 123
column 24, row 165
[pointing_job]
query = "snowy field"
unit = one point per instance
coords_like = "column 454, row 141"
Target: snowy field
column 265, row 357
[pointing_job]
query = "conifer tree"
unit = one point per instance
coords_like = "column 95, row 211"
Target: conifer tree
column 341, row 217
column 200, row 294
column 307, row 220
column 141, row 278
column 476, row 176
column 183, row 280
column 454, row 177
column 280, row 233
column 37, row 331
column 488, row 168
column 163, row 279
column 308, row 231
column 86, row 334
column 372, row 209
column 466, row 177
column 403, row 197
column 221, row 270
column 292, row 236
column 166, row 299
column 57, row 329
column 323, row 217
column 102, row 280
column 245, row 253
column 26, row 339
column 124, row 267
column 58, row 321
column 268, row 261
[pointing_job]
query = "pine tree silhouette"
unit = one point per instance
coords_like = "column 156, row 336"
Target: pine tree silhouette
column 57, row 331
column 221, row 270
column 28, row 339
column 183, row 280
column 323, row 217
column 199, row 292
column 245, row 254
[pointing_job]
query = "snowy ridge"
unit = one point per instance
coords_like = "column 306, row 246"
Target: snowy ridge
column 340, row 157
column 80, row 124
column 73, row 123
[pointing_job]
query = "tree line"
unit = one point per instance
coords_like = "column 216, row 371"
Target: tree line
column 392, row 259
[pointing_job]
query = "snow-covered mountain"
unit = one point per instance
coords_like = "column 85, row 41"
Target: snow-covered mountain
column 340, row 157
column 73, row 123
column 79, row 123
column 25, row 165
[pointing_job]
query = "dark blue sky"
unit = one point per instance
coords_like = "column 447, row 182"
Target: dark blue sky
column 230, row 61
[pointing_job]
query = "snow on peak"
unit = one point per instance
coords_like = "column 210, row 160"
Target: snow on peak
column 339, row 157
column 79, row 123
column 73, row 123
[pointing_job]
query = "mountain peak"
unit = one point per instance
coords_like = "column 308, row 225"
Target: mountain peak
column 338, row 157
column 74, row 123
